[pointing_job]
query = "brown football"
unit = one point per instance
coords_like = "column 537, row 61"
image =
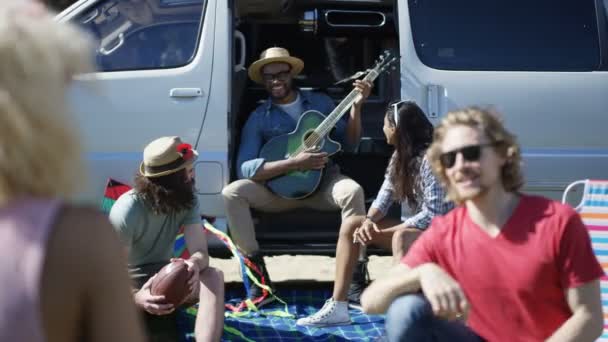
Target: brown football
column 172, row 282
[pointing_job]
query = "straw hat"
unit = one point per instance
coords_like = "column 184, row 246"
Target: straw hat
column 165, row 156
column 272, row 55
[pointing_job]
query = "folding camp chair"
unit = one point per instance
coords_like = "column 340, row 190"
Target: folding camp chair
column 593, row 209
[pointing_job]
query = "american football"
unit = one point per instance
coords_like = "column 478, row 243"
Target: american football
column 172, row 282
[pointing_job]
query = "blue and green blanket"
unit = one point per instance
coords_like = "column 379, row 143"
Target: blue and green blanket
column 257, row 326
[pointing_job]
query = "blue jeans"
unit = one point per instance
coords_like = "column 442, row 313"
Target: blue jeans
column 410, row 318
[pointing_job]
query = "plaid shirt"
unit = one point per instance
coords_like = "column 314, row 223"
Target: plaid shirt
column 431, row 202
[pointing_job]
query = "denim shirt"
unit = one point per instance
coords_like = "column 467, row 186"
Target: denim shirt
column 268, row 121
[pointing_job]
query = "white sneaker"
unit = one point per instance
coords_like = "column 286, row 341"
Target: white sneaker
column 332, row 313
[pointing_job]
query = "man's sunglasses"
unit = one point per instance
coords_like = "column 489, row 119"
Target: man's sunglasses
column 469, row 153
column 280, row 76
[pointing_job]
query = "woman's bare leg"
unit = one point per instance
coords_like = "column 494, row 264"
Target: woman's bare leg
column 347, row 251
column 210, row 318
column 402, row 241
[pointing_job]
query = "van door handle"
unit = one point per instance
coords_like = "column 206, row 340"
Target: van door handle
column 436, row 100
column 185, row 92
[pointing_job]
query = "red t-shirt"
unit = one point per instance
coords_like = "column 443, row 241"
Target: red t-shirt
column 514, row 282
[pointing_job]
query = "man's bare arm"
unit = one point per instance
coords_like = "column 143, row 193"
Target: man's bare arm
column 196, row 241
column 353, row 128
column 587, row 321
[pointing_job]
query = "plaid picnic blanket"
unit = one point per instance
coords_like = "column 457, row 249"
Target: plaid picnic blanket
column 301, row 302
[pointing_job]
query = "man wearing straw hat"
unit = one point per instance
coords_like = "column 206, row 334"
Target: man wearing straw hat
column 148, row 218
column 275, row 70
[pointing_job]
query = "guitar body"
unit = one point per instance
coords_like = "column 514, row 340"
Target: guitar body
column 297, row 184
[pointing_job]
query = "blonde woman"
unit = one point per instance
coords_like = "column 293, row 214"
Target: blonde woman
column 62, row 267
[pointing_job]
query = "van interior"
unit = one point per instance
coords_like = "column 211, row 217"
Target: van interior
column 335, row 39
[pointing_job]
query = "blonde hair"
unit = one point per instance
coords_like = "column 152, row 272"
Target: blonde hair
column 505, row 144
column 39, row 150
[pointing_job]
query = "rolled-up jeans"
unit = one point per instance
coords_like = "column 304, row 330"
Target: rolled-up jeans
column 411, row 318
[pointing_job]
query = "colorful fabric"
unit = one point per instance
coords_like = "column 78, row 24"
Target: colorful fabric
column 594, row 212
column 113, row 190
column 301, row 302
column 250, row 272
column 516, row 280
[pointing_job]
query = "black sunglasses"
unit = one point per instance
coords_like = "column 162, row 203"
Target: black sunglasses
column 469, row 153
column 281, row 76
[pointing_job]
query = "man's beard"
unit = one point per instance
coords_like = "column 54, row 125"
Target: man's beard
column 285, row 91
column 467, row 194
column 471, row 194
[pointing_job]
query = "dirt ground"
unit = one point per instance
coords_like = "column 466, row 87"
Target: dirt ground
column 300, row 267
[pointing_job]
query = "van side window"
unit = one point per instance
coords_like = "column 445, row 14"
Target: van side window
column 140, row 34
column 506, row 35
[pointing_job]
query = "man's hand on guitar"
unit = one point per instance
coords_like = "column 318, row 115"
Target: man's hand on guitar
column 365, row 88
column 309, row 161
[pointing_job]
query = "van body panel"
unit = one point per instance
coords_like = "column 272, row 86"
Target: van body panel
column 119, row 112
column 558, row 117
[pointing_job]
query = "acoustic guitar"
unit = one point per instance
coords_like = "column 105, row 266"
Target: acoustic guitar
column 311, row 134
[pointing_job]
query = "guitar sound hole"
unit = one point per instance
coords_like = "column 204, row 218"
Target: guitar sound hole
column 312, row 141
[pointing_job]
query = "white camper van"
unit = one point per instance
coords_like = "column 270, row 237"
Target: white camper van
column 178, row 67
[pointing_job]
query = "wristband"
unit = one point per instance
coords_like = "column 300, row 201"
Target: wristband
column 367, row 217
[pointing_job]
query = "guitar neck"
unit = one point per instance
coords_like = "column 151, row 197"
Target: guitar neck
column 332, row 119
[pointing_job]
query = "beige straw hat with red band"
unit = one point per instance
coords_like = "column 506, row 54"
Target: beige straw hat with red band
column 274, row 55
column 165, row 156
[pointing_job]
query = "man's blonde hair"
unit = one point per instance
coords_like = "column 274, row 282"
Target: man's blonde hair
column 39, row 151
column 486, row 121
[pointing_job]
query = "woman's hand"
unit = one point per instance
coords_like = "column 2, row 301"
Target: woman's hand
column 366, row 232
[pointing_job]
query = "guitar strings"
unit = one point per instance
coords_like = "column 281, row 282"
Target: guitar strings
column 314, row 138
